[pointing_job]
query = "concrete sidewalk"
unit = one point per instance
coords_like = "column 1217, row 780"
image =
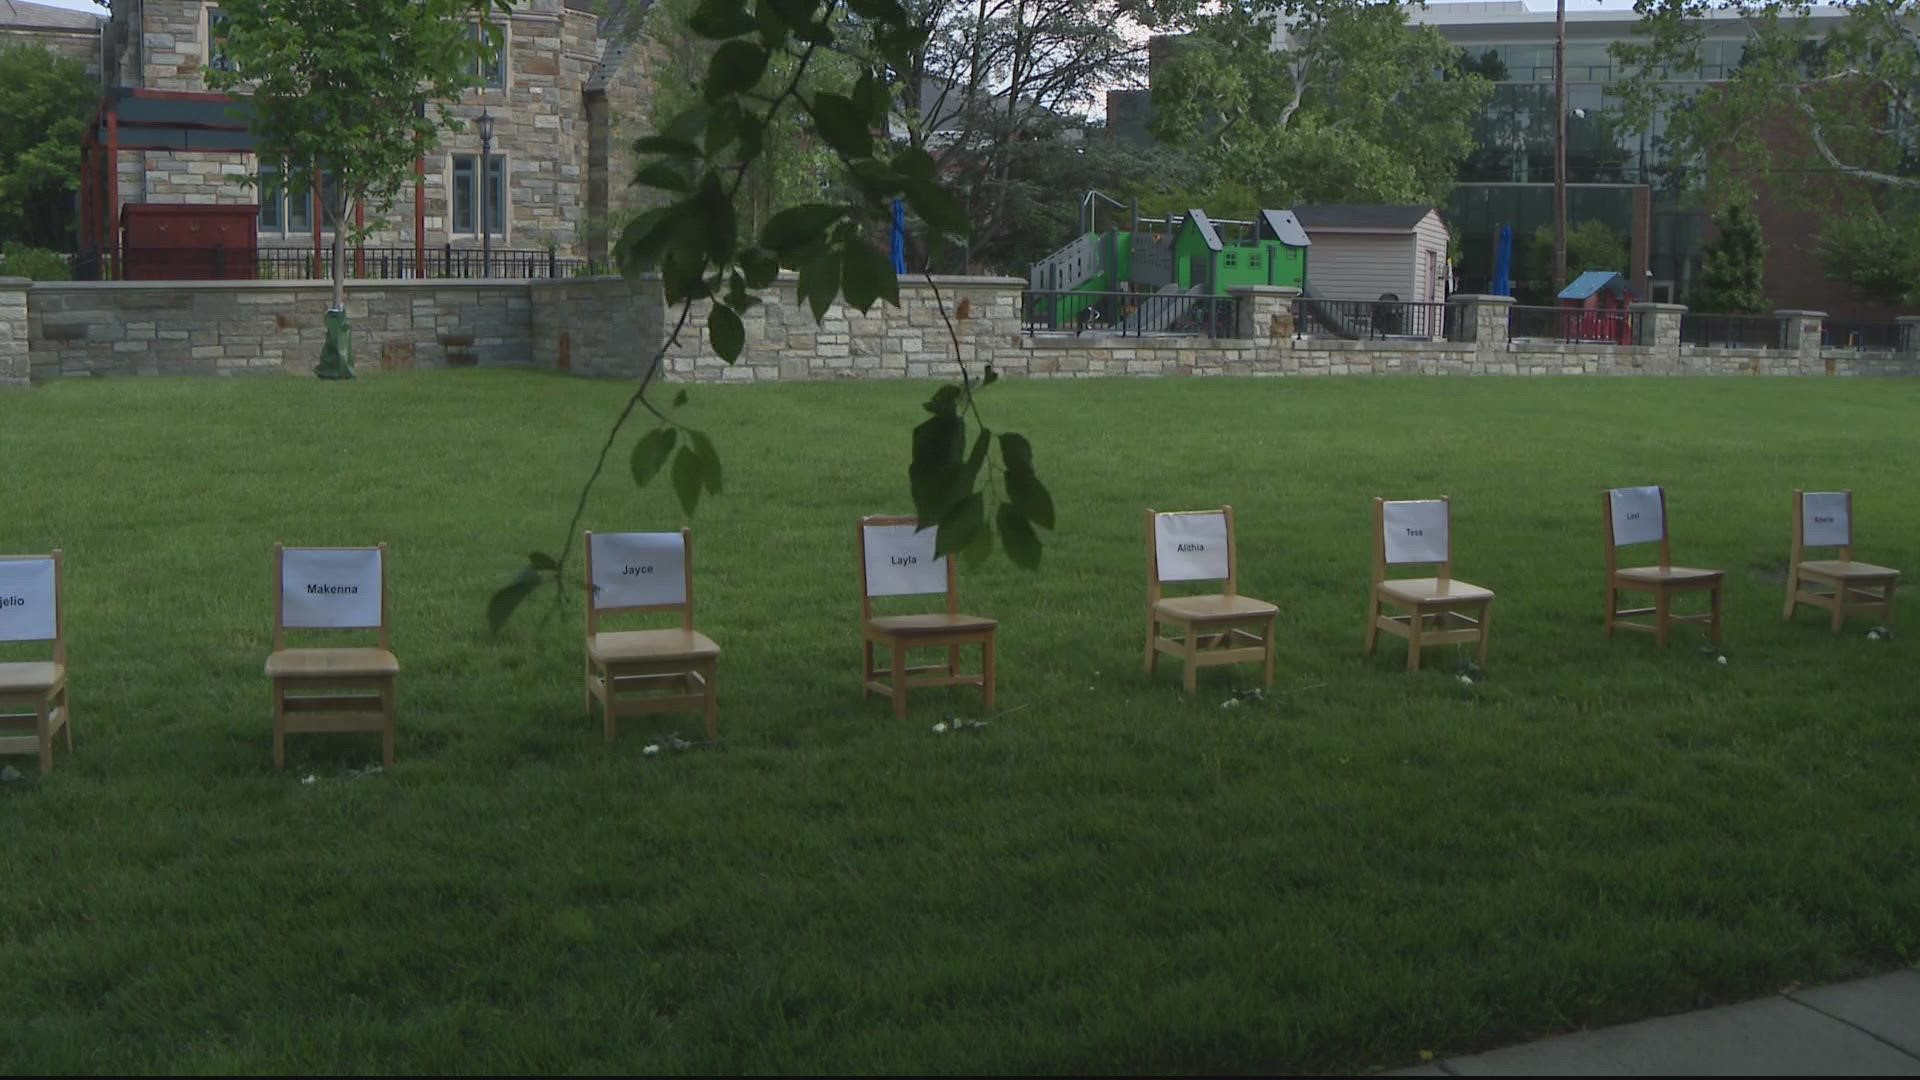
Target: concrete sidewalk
column 1866, row 1028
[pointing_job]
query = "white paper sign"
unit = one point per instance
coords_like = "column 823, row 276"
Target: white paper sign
column 331, row 589
column 900, row 562
column 1636, row 515
column 638, row 569
column 1825, row 519
column 1191, row 547
column 1416, row 531
column 26, row 600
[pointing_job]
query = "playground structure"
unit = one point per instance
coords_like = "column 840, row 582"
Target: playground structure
column 1162, row 276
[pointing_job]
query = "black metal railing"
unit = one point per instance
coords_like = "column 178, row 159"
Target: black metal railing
column 1733, row 331
column 1873, row 336
column 301, row 264
column 1356, row 320
column 1571, row 325
column 1126, row 314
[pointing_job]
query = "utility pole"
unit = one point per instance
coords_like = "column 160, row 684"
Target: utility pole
column 1559, row 146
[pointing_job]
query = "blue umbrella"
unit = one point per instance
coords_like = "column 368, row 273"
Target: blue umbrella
column 899, row 237
column 1503, row 263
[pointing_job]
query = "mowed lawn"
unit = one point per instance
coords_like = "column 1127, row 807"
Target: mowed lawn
column 1110, row 876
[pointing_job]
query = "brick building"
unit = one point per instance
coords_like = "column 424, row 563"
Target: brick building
column 567, row 95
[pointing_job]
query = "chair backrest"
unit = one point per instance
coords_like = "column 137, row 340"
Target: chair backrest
column 897, row 559
column 1823, row 519
column 330, row 589
column 1413, row 531
column 1636, row 515
column 31, row 607
column 638, row 573
column 1191, row 545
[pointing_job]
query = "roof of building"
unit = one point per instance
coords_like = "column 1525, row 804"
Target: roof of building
column 18, row 14
column 1198, row 219
column 1285, row 228
column 1592, row 282
column 1334, row 217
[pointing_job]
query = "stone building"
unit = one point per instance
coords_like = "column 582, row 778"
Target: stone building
column 567, row 96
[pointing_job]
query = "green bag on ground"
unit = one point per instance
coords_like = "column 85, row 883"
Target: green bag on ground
column 336, row 356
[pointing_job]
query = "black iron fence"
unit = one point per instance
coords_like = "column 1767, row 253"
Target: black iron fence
column 1356, row 320
column 1571, row 325
column 1873, row 336
column 1126, row 314
column 300, row 264
column 1733, row 331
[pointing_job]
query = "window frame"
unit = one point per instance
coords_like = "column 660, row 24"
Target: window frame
column 502, row 207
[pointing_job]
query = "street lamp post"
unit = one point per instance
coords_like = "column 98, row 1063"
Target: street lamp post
column 484, row 173
column 1559, row 147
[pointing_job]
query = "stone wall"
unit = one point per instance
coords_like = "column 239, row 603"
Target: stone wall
column 15, row 338
column 233, row 328
column 595, row 326
column 80, row 46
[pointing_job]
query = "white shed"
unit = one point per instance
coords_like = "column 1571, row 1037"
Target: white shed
column 1366, row 252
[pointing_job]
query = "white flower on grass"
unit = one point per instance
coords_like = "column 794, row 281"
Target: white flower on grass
column 1466, row 680
column 940, row 728
column 1721, row 660
column 1230, row 703
column 650, row 749
column 309, row 778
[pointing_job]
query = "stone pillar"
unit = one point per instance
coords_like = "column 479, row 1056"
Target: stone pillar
column 1264, row 313
column 1909, row 336
column 1658, row 326
column 15, row 364
column 1482, row 320
column 1803, row 339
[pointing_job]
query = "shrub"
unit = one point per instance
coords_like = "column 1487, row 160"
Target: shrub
column 40, row 264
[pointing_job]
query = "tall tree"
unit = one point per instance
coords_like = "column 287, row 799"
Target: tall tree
column 1730, row 270
column 344, row 87
column 1829, row 116
column 1351, row 103
column 47, row 101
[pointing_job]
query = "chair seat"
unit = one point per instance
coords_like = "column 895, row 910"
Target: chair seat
column 939, row 623
column 39, row 675
column 331, row 663
column 1432, row 590
column 1843, row 568
column 1669, row 574
column 1213, row 606
column 618, row 646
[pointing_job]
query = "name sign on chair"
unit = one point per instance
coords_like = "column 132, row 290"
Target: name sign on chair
column 26, row 600
column 1636, row 515
column 1191, row 547
column 325, row 588
column 900, row 562
column 1416, row 531
column 1824, row 519
column 638, row 569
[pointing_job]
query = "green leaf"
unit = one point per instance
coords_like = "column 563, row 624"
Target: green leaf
column 687, row 478
column 661, row 175
column 961, row 526
column 759, row 267
column 773, row 26
column 688, row 124
column 990, row 377
column 726, row 333
column 723, row 126
column 820, row 282
column 721, row 19
column 867, row 275
column 869, row 98
column 663, row 144
column 944, row 402
column 978, row 457
column 981, row 550
column 1030, row 497
column 716, row 213
column 843, row 126
column 650, row 453
column 645, row 237
column 1018, row 538
column 735, row 67
column 884, row 11
column 799, row 226
column 914, row 164
column 1016, row 452
column 679, row 399
column 709, row 462
column 797, row 14
column 937, row 207
column 510, row 596
column 540, row 560
column 937, row 477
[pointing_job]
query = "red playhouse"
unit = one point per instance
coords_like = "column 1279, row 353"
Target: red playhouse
column 1594, row 307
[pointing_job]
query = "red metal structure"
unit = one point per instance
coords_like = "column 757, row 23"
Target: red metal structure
column 1595, row 307
column 187, row 241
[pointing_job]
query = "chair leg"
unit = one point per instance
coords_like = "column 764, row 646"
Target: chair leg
column 1714, row 626
column 66, row 712
column 1373, row 624
column 1793, row 592
column 586, row 686
column 1486, row 631
column 387, row 723
column 1190, row 656
column 43, row 727
column 1841, row 593
column 953, row 660
column 867, row 670
column 279, row 725
column 711, row 673
column 1886, row 604
column 1662, row 611
column 899, row 650
column 1152, row 662
column 1415, row 626
column 1613, row 606
column 1266, row 676
column 609, row 714
column 987, row 671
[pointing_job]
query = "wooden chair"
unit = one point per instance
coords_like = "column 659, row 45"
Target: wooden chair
column 1825, row 519
column 897, row 559
column 634, row 672
column 33, row 694
column 1639, row 516
column 1216, row 628
column 332, row 689
column 1421, row 532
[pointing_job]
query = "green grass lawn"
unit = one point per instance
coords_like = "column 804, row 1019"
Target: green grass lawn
column 1110, row 876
